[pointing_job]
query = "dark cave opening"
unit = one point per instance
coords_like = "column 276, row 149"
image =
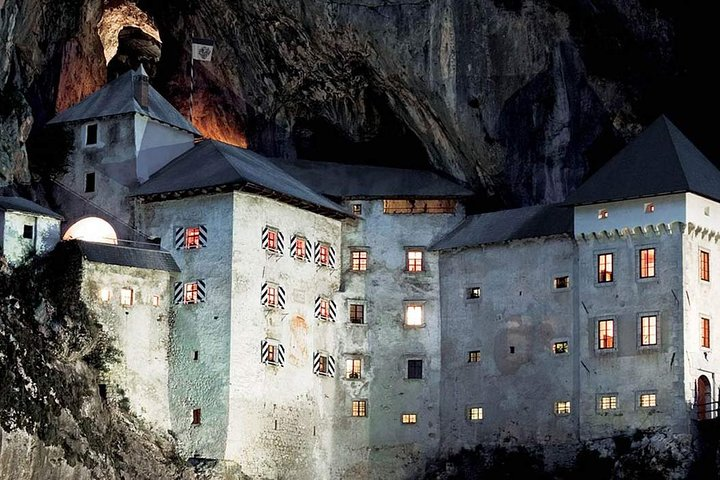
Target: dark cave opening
column 135, row 47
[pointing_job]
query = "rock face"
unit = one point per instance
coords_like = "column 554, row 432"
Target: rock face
column 521, row 98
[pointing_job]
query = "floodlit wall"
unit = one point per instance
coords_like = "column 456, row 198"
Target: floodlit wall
column 157, row 144
column 15, row 247
column 140, row 331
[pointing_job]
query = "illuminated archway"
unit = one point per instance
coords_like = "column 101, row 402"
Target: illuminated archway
column 92, row 229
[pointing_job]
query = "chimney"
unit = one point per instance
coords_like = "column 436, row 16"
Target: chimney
column 142, row 87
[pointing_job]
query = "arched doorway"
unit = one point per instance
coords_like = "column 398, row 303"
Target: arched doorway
column 704, row 397
column 92, row 229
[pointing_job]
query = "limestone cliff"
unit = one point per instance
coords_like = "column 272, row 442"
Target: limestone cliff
column 518, row 97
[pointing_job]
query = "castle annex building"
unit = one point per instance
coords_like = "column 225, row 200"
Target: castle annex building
column 320, row 320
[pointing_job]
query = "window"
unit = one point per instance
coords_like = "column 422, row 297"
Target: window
column 300, row 251
column 561, row 282
column 648, row 400
column 561, row 347
column 413, row 315
column 91, row 134
column 647, row 263
column 196, row 416
column 473, row 292
column 414, row 261
column 353, row 368
column 271, row 296
column 705, row 332
column 126, row 296
column 28, row 231
column 409, row 418
column 603, row 214
column 359, row 408
column 155, row 300
column 359, row 260
column 419, row 206
column 323, row 254
column 473, row 356
column 357, row 209
column 271, row 356
column 606, row 334
column 605, row 267
column 649, row 207
column 190, row 294
column 196, row 355
column 474, row 414
column 415, row 369
column 706, row 210
column 105, row 294
column 272, row 240
column 607, row 402
column 357, row 313
column 90, row 182
column 704, row 265
column 648, row 330
column 562, row 408
column 192, row 237
column 323, row 364
column 324, row 309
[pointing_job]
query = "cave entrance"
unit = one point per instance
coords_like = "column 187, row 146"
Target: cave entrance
column 92, row 229
column 129, row 38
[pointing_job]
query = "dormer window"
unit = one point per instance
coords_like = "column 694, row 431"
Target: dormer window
column 649, row 207
column 91, row 134
column 602, row 214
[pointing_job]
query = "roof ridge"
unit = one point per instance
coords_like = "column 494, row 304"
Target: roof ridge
column 669, row 127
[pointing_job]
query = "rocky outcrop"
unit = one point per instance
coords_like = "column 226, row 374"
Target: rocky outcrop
column 521, row 98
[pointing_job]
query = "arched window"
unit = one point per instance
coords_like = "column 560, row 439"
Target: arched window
column 92, row 229
column 704, row 398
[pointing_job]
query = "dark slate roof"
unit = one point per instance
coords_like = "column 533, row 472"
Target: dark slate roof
column 506, row 225
column 118, row 97
column 661, row 160
column 356, row 181
column 211, row 164
column 19, row 204
column 128, row 256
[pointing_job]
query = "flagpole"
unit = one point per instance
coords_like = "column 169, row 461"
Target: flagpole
column 192, row 78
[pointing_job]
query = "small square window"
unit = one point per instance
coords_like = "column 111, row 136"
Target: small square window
column 415, row 369
column 353, row 368
column 359, row 408
column 126, row 296
column 562, row 408
column 357, row 209
column 105, row 294
column 196, row 416
column 649, row 207
column 359, row 260
column 475, row 414
column 409, row 418
column 414, row 315
column 647, row 400
column 156, row 300
column 607, row 402
column 28, row 231
column 603, row 214
column 561, row 347
column 606, row 334
column 561, row 282
column 473, row 356
column 91, row 134
column 605, row 267
column 414, row 261
column 473, row 292
column 190, row 292
column 357, row 313
column 90, row 182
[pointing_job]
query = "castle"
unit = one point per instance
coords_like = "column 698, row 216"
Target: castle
column 320, row 320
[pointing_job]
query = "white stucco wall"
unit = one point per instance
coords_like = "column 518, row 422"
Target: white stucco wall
column 140, row 331
column 156, row 144
column 16, row 248
column 630, row 214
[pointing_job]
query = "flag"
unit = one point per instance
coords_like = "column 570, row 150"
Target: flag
column 202, row 49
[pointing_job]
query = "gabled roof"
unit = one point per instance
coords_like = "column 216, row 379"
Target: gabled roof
column 506, row 225
column 128, row 256
column 118, row 97
column 357, row 181
column 18, row 204
column 661, row 160
column 213, row 164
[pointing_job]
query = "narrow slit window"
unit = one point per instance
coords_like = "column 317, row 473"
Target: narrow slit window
column 704, row 265
column 605, row 267
column 90, row 182
column 156, row 300
column 705, row 332
column 196, row 416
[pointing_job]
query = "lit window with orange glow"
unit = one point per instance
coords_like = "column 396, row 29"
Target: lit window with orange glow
column 606, row 334
column 414, row 315
column 272, row 296
column 359, row 260
column 409, row 418
column 300, row 248
column 324, row 254
column 649, row 207
column 324, row 309
column 272, row 243
column 603, row 214
column 648, row 330
column 605, row 267
column 647, row 263
column 414, row 261
column 192, row 237
column 190, row 293
column 704, row 265
column 105, row 294
column 705, row 332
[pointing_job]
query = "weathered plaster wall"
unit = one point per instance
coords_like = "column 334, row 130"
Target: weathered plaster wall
column 16, row 248
column 204, row 327
column 140, row 331
column 630, row 214
column 513, row 324
column 397, row 450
